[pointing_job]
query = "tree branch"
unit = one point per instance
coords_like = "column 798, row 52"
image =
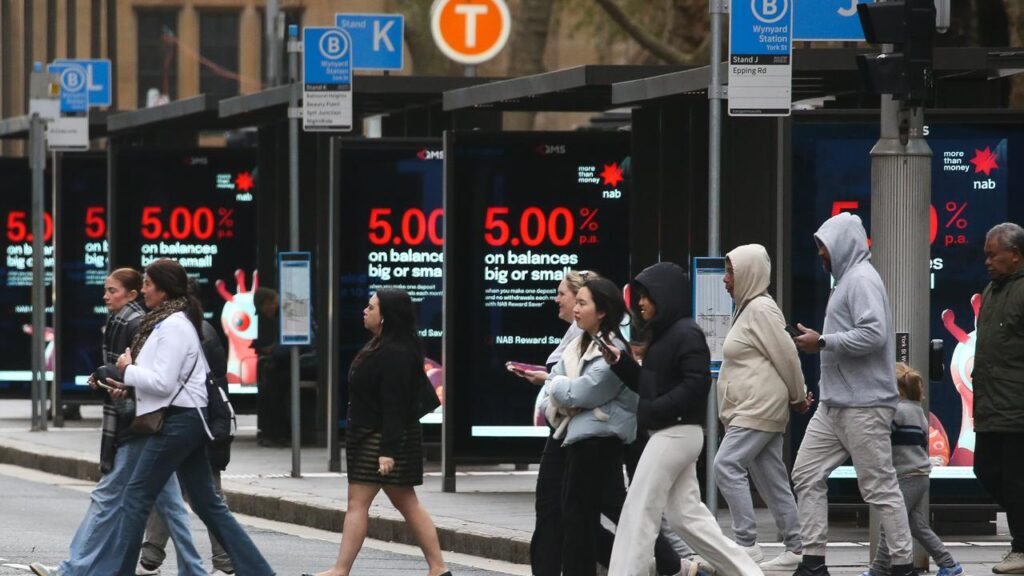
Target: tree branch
column 649, row 41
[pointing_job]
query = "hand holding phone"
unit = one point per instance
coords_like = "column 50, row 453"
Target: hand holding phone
column 793, row 330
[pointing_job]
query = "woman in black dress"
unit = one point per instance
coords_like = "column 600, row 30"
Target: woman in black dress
column 384, row 442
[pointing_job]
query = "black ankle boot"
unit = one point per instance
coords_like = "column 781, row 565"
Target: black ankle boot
column 812, row 566
column 903, row 570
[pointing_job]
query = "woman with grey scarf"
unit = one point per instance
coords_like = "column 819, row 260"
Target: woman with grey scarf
column 96, row 539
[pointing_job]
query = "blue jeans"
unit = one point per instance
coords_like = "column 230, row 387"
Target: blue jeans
column 95, row 546
column 181, row 447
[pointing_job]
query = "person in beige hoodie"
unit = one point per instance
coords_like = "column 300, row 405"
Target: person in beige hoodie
column 760, row 381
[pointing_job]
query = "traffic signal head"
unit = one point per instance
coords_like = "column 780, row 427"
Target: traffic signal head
column 909, row 25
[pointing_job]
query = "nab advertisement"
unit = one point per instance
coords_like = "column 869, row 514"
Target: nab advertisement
column 537, row 205
column 391, row 234
column 971, row 182
column 16, row 278
column 199, row 208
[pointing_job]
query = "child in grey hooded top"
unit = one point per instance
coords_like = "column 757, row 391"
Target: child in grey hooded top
column 910, row 457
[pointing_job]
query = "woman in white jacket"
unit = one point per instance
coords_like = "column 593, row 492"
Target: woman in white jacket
column 165, row 366
column 759, row 382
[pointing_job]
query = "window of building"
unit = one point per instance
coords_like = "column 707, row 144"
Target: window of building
column 218, row 46
column 157, row 53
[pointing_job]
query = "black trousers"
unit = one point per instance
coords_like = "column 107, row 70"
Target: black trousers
column 999, row 466
column 589, row 464
column 546, row 543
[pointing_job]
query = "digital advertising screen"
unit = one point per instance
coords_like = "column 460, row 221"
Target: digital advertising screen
column 198, row 207
column 532, row 206
column 16, row 278
column 391, row 234
column 82, row 242
column 972, row 182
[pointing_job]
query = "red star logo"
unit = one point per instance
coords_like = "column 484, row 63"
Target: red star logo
column 612, row 174
column 984, row 161
column 243, row 181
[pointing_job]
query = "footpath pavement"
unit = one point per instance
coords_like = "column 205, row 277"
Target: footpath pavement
column 490, row 516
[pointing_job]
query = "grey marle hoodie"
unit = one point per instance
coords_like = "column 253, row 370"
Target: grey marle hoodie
column 858, row 363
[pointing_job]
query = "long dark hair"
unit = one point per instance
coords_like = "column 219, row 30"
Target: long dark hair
column 398, row 325
column 608, row 299
column 170, row 277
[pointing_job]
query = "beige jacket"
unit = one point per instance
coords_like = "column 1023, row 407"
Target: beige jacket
column 760, row 375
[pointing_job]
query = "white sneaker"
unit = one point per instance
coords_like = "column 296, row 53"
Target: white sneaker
column 43, row 570
column 755, row 552
column 141, row 570
column 1013, row 563
column 785, row 562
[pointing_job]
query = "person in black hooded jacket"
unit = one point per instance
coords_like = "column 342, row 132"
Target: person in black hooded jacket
column 673, row 385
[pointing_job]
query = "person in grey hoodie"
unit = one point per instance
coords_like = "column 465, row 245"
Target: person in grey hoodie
column 858, row 398
column 602, row 418
column 760, row 381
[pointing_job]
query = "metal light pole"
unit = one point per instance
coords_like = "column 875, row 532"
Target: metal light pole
column 293, row 226
column 272, row 39
column 901, row 185
column 716, row 93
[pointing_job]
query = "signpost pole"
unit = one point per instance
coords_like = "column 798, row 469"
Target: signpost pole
column 716, row 94
column 37, row 160
column 293, row 231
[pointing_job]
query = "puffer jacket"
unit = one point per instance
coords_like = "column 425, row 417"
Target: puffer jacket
column 675, row 379
column 588, row 383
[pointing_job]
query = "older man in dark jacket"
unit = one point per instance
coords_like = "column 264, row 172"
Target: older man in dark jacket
column 999, row 385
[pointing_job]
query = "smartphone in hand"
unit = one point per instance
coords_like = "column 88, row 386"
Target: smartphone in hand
column 793, row 330
column 599, row 339
column 522, row 367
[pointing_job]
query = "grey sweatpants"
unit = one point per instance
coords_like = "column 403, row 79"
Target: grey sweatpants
column 154, row 547
column 757, row 453
column 914, row 489
column 862, row 434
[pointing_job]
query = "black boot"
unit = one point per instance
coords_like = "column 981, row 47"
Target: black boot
column 903, row 570
column 813, row 566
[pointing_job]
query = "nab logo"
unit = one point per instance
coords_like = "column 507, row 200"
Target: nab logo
column 430, row 154
column 985, row 161
column 548, row 149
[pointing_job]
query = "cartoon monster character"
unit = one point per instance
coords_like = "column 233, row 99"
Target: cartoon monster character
column 239, row 321
column 961, row 368
column 435, row 373
column 938, row 442
column 48, row 352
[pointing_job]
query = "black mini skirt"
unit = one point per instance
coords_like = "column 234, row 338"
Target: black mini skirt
column 362, row 450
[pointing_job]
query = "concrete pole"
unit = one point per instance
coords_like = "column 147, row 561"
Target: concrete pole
column 293, row 233
column 37, row 161
column 716, row 94
column 901, row 185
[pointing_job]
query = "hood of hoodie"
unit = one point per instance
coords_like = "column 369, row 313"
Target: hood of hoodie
column 751, row 273
column 844, row 237
column 666, row 284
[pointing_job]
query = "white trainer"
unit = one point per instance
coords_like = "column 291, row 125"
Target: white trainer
column 1013, row 563
column 755, row 552
column 785, row 562
column 141, row 570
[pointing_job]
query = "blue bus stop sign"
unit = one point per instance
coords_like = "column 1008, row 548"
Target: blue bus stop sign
column 73, row 78
column 827, row 20
column 97, row 80
column 377, row 39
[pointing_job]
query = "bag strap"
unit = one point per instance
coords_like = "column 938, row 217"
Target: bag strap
column 187, row 378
